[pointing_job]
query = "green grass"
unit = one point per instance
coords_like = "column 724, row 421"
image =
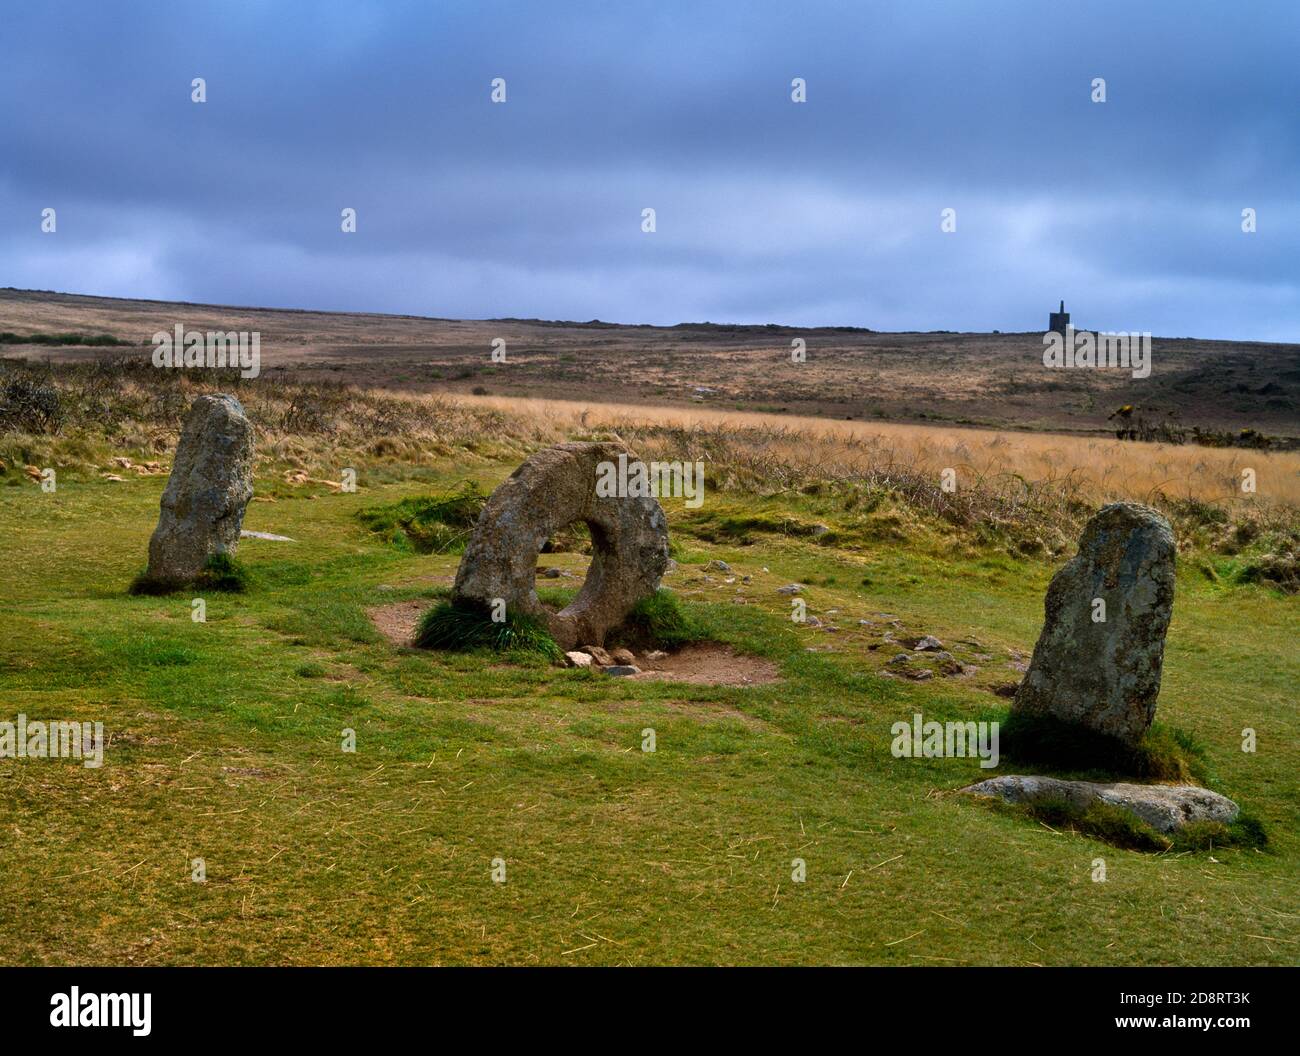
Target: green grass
column 428, row 524
column 1163, row 754
column 226, row 744
column 660, row 622
column 220, row 572
column 460, row 628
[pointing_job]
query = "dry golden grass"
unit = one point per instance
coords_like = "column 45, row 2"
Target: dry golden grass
column 1027, row 493
column 1098, row 470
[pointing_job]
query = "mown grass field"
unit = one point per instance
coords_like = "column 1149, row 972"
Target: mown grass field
column 226, row 745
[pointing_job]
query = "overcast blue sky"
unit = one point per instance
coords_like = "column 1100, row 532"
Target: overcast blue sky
column 826, row 212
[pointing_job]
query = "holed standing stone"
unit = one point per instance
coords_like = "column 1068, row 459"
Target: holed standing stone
column 550, row 491
column 1105, row 674
column 210, row 484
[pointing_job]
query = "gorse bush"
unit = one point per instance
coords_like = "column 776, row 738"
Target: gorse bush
column 28, row 406
column 7, row 337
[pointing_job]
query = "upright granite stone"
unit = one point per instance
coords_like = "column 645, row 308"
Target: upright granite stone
column 1105, row 673
column 550, row 491
column 210, row 485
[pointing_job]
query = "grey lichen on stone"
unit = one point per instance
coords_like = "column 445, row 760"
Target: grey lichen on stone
column 211, row 482
column 551, row 490
column 1105, row 675
column 1166, row 808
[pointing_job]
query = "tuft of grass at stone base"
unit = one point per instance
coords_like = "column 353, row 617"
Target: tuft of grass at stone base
column 1120, row 828
column 1164, row 754
column 221, row 572
column 458, row 628
column 660, row 622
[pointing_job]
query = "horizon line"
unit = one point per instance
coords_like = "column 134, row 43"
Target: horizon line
column 605, row 322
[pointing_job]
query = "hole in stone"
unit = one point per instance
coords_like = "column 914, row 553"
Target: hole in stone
column 578, row 537
column 573, row 538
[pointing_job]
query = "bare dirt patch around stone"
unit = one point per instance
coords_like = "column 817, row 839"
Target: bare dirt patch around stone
column 705, row 663
column 709, row 664
column 397, row 622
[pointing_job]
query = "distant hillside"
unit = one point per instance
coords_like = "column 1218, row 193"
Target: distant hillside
column 1220, row 388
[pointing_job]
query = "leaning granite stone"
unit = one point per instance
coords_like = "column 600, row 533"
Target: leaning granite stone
column 1105, row 674
column 1166, row 808
column 553, row 489
column 210, row 484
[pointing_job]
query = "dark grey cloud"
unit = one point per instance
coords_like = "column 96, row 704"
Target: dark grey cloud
column 826, row 212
